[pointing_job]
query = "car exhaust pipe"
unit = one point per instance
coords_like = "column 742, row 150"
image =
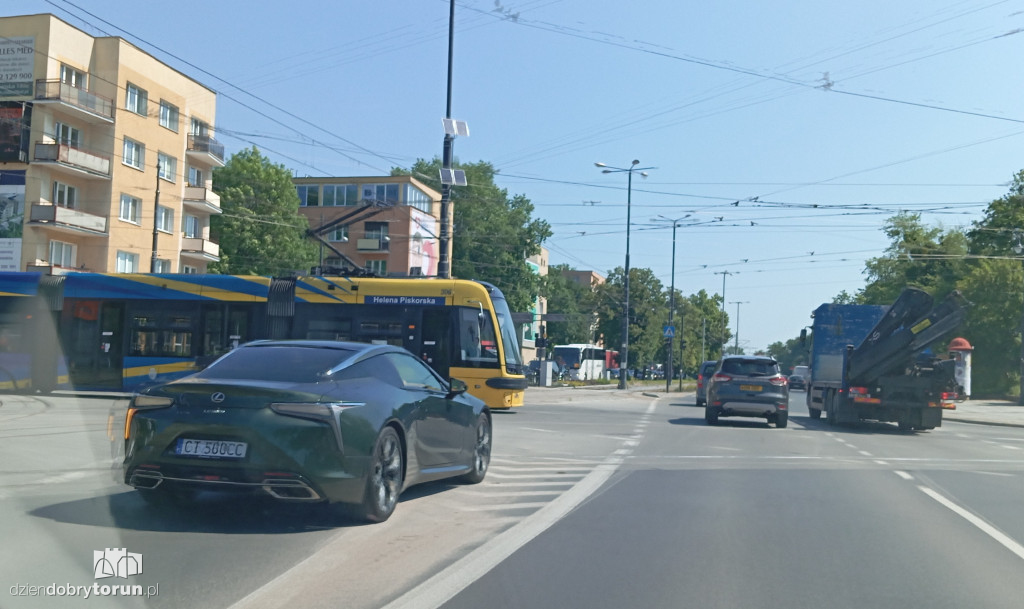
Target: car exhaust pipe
column 290, row 491
column 146, row 480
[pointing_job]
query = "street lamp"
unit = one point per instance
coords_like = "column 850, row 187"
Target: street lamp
column 624, row 360
column 736, row 347
column 1018, row 248
column 672, row 300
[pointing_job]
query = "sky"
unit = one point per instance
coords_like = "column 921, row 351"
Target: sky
column 781, row 135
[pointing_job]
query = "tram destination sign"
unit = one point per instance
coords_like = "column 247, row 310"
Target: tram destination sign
column 405, row 300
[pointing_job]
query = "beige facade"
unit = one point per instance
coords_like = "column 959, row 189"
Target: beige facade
column 389, row 225
column 106, row 127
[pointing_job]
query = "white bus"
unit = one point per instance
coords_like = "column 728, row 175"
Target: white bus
column 580, row 362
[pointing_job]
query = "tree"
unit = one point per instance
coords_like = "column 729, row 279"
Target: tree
column 928, row 258
column 793, row 352
column 573, row 300
column 492, row 233
column 648, row 306
column 260, row 231
column 703, row 325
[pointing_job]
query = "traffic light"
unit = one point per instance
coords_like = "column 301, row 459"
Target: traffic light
column 682, row 344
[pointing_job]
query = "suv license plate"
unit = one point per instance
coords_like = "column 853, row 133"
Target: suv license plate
column 750, row 387
column 210, row 449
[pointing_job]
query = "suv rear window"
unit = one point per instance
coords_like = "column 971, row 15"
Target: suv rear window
column 750, row 367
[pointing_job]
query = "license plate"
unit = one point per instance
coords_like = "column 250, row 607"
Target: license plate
column 210, row 449
column 750, row 387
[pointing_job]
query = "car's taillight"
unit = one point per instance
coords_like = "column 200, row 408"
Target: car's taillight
column 326, row 412
column 855, row 391
column 721, row 377
column 144, row 402
column 779, row 381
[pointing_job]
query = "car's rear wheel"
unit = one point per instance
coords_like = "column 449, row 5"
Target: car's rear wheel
column 711, row 415
column 384, row 480
column 481, row 450
column 781, row 419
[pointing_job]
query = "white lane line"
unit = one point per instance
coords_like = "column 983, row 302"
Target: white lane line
column 539, row 430
column 880, row 462
column 902, row 474
column 533, row 476
column 489, row 493
column 493, row 507
column 528, row 484
column 441, row 588
column 1005, row 540
column 865, row 453
column 1010, row 447
column 550, row 468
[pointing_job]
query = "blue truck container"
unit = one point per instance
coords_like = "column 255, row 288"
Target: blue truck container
column 835, row 326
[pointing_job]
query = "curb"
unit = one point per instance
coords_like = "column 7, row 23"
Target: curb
column 978, row 422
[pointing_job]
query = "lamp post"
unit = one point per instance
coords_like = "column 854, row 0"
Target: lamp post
column 736, row 346
column 1018, row 248
column 624, row 360
column 672, row 302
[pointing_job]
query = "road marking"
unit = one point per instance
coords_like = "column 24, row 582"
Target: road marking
column 511, row 484
column 441, row 588
column 865, row 453
column 880, row 462
column 539, row 430
column 546, row 468
column 1010, row 447
column 903, row 474
column 504, row 506
column 985, row 527
column 530, row 476
column 487, row 493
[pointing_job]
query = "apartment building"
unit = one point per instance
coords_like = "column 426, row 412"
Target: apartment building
column 106, row 155
column 388, row 225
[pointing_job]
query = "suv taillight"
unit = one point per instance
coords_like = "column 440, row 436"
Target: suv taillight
column 779, row 381
column 722, row 377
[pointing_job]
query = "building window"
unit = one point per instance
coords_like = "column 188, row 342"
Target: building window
column 65, row 195
column 415, row 271
column 190, row 270
column 192, row 228
column 168, row 115
column 166, row 166
column 62, row 254
column 127, row 263
column 339, row 235
column 67, row 135
column 165, row 219
column 414, row 197
column 134, row 154
column 380, row 192
column 198, row 127
column 309, row 195
column 338, row 195
column 196, row 177
column 135, row 99
column 377, row 267
column 162, row 266
column 377, row 230
column 72, row 76
column 131, row 209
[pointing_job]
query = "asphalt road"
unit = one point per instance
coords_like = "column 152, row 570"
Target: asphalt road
column 594, row 499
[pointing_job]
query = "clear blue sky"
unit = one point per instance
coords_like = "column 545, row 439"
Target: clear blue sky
column 833, row 116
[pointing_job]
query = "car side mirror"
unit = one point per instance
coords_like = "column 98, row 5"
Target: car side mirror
column 457, row 387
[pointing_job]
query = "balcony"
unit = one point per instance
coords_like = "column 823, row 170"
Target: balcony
column 373, row 245
column 206, row 149
column 76, row 161
column 87, row 106
column 200, row 249
column 64, row 220
column 202, row 199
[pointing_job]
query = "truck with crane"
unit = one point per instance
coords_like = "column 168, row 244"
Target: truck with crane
column 869, row 362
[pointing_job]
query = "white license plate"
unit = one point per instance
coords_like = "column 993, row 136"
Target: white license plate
column 210, row 449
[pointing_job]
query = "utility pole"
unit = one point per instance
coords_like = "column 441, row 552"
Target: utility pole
column 156, row 219
column 444, row 270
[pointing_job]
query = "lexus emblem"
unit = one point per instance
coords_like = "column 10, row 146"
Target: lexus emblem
column 217, row 397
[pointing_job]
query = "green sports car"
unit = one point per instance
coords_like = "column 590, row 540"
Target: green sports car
column 350, row 424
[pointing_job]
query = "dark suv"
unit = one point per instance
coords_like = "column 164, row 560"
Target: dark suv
column 703, row 376
column 748, row 386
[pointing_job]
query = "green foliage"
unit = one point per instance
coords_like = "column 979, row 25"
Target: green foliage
column 791, row 353
column 492, row 233
column 927, row 258
column 992, row 325
column 260, row 231
column 575, row 301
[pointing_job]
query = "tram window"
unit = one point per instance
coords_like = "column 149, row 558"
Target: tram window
column 10, row 338
column 178, row 344
column 144, row 342
column 144, row 322
column 329, row 329
column 380, row 328
column 478, row 345
column 213, row 323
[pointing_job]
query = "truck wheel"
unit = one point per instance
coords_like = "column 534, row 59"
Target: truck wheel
column 830, row 408
column 815, row 413
column 711, row 415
